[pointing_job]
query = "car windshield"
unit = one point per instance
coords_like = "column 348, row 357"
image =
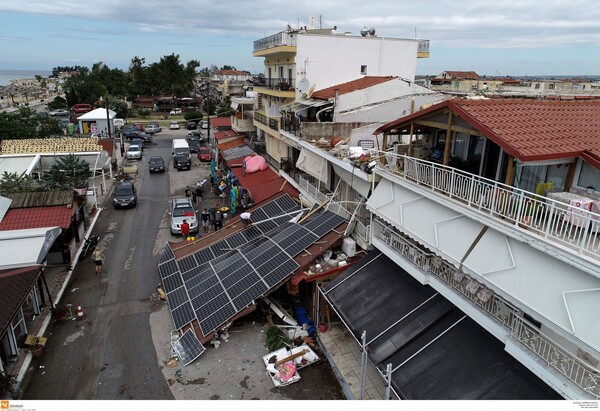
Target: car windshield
column 183, row 212
column 156, row 160
column 124, row 191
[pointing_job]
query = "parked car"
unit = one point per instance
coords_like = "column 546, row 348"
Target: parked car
column 194, row 145
column 191, row 125
column 131, row 134
column 204, row 124
column 174, row 125
column 151, row 129
column 138, row 141
column 155, row 125
column 125, row 195
column 175, row 112
column 156, row 164
column 204, row 154
column 195, row 135
column 182, row 209
column 182, row 161
column 81, row 108
column 134, row 152
column 59, row 113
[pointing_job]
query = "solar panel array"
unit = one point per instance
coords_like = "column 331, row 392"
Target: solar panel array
column 216, row 283
column 188, row 347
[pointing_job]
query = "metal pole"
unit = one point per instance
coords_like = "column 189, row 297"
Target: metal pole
column 388, row 375
column 363, row 364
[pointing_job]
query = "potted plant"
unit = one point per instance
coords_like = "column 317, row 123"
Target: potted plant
column 7, row 384
column 36, row 348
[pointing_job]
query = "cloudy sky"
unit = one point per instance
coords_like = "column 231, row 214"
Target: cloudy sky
column 499, row 37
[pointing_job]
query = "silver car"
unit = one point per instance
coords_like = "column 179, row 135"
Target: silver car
column 182, row 209
column 134, row 152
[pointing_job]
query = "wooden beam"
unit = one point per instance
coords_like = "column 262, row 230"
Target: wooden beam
column 448, row 144
column 510, row 171
column 458, row 129
column 570, row 175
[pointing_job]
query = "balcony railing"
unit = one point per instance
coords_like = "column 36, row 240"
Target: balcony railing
column 279, row 39
column 423, row 46
column 281, row 84
column 556, row 221
column 271, row 122
column 553, row 355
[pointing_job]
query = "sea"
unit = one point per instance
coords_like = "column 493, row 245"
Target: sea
column 7, row 75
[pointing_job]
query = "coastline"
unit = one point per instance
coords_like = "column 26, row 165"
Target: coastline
column 7, row 75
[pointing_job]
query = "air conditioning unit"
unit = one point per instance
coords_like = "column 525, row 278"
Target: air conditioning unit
column 349, row 247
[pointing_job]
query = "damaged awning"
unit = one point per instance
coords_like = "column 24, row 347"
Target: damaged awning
column 436, row 351
column 315, row 165
column 24, row 248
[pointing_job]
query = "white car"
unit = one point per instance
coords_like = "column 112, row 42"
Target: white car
column 174, row 125
column 59, row 113
column 175, row 112
column 204, row 124
column 134, row 151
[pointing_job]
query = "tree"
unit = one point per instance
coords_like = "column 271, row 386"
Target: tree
column 15, row 183
column 68, row 172
column 57, row 102
column 143, row 112
column 226, row 67
column 192, row 115
column 27, row 123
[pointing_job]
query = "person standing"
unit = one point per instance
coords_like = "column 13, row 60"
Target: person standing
column 198, row 194
column 218, row 220
column 188, row 192
column 185, row 229
column 205, row 216
column 98, row 257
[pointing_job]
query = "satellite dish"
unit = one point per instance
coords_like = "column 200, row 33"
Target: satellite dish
column 303, row 85
column 310, row 91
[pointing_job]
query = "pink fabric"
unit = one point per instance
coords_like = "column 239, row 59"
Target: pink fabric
column 255, row 163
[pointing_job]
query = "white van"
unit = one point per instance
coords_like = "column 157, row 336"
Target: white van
column 181, row 146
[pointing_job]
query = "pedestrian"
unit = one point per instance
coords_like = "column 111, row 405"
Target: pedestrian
column 98, row 257
column 245, row 216
column 211, row 216
column 188, row 192
column 198, row 194
column 205, row 216
column 194, row 197
column 217, row 224
column 185, row 229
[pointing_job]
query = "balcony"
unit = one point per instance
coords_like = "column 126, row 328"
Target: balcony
column 276, row 40
column 548, row 352
column 271, row 122
column 279, row 84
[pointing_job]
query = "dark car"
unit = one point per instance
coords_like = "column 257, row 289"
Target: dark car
column 125, row 195
column 156, row 165
column 138, row 141
column 191, row 125
column 182, row 161
column 194, row 145
column 130, row 134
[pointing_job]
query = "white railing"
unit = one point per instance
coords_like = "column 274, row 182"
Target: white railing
column 277, row 39
column 556, row 357
column 556, row 221
column 305, row 182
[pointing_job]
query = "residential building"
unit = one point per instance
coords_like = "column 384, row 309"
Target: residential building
column 230, row 82
column 298, row 62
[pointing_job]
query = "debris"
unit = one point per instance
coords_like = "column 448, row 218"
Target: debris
column 161, row 292
column 170, row 381
column 178, row 373
column 215, row 343
column 74, row 289
column 172, row 362
column 224, row 335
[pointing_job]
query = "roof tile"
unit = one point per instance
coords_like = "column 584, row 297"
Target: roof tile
column 36, row 217
column 354, row 85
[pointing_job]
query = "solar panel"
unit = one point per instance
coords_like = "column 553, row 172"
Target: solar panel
column 236, row 240
column 324, row 222
column 172, row 282
column 268, row 262
column 219, row 248
column 204, row 280
column 249, row 295
column 187, row 263
column 167, row 254
column 277, row 274
column 241, row 284
column 266, row 225
column 204, row 255
column 301, row 243
column 287, row 203
column 177, row 297
column 210, row 324
column 188, row 347
column 259, row 215
column 229, row 263
column 272, row 209
column 183, row 315
column 215, row 304
column 194, row 292
column 231, row 277
column 197, row 273
column 167, row 268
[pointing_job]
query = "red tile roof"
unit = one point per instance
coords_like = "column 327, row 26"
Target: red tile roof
column 354, row 85
column 220, row 122
column 465, row 75
column 222, row 135
column 232, row 72
column 238, row 142
column 529, row 130
column 36, row 217
column 261, row 184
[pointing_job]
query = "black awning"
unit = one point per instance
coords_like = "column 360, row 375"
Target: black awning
column 436, row 351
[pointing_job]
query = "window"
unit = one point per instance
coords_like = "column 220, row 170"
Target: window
column 551, row 86
column 537, row 86
column 363, row 70
column 588, row 177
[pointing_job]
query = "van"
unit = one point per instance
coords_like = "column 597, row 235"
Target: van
column 180, row 148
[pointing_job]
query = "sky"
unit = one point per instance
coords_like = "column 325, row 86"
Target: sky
column 493, row 38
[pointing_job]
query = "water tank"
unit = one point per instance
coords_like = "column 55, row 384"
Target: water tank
column 349, row 246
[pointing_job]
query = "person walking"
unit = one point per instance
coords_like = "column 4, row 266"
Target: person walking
column 205, row 216
column 98, row 257
column 185, row 229
column 198, row 194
